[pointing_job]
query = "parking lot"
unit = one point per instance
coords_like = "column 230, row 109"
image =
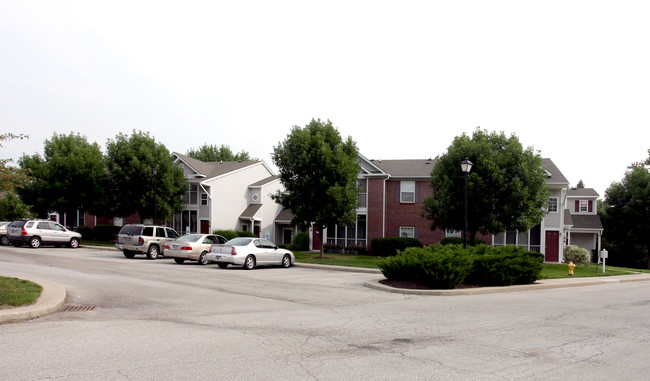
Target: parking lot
column 143, row 319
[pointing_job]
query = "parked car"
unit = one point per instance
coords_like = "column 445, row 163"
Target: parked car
column 3, row 233
column 249, row 252
column 41, row 232
column 144, row 239
column 192, row 247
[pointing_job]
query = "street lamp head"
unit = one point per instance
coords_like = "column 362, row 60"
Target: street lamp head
column 154, row 170
column 466, row 165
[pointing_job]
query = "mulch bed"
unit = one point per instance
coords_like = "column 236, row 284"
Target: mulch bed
column 418, row 286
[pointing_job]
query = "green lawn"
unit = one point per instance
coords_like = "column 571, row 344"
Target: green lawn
column 18, row 292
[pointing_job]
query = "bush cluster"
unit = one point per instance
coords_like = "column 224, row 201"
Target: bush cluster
column 389, row 246
column 459, row 241
column 447, row 266
column 577, row 255
column 99, row 233
column 353, row 249
column 230, row 234
column 300, row 242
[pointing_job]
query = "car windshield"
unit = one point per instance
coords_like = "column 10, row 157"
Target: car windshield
column 190, row 238
column 239, row 241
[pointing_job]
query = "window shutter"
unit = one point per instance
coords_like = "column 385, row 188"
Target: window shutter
column 591, row 206
column 577, row 206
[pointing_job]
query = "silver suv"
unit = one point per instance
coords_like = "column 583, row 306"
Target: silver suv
column 144, row 239
column 41, row 232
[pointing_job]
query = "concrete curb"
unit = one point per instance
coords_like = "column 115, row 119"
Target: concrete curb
column 539, row 285
column 51, row 300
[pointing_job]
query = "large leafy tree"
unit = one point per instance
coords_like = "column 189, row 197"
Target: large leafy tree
column 211, row 153
column 626, row 217
column 11, row 177
column 506, row 186
column 66, row 178
column 142, row 178
column 319, row 171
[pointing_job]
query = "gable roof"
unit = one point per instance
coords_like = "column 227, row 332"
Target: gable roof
column 582, row 192
column 214, row 168
column 406, row 168
column 265, row 181
column 555, row 176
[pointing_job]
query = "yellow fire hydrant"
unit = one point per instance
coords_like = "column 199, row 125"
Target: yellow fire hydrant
column 571, row 267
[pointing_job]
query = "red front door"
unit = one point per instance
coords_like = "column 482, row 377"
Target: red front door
column 205, row 227
column 552, row 250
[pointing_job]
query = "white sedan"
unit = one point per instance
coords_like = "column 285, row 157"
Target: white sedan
column 192, row 247
column 250, row 252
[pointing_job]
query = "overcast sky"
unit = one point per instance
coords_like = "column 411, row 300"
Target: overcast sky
column 402, row 78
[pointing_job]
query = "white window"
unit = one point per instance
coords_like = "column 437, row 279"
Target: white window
column 453, row 233
column 204, row 199
column 363, row 192
column 552, row 205
column 407, row 191
column 192, row 195
column 407, row 231
column 584, row 206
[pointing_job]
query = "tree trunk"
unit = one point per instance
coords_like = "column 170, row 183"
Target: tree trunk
column 322, row 246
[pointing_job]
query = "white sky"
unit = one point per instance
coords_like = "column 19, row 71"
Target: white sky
column 402, row 78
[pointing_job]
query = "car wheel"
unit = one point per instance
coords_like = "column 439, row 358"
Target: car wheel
column 4, row 240
column 35, row 242
column 153, row 252
column 286, row 261
column 180, row 261
column 129, row 254
column 202, row 260
column 222, row 265
column 249, row 263
column 74, row 243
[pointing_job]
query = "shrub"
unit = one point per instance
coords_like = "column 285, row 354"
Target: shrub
column 577, row 255
column 388, row 246
column 504, row 266
column 106, row 232
column 459, row 241
column 332, row 248
column 230, row 234
column 86, row 233
column 356, row 250
column 300, row 242
column 437, row 266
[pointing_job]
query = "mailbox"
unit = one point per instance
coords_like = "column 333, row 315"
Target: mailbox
column 604, row 254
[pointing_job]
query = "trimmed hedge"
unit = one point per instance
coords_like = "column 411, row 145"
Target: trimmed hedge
column 447, row 266
column 459, row 241
column 505, row 266
column 389, row 246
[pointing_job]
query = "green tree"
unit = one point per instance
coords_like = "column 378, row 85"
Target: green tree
column 506, row 186
column 319, row 171
column 626, row 218
column 11, row 177
column 66, row 178
column 211, row 153
column 134, row 187
column 12, row 207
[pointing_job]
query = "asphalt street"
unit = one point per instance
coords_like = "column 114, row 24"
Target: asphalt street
column 128, row 319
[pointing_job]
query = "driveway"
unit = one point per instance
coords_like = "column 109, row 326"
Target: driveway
column 141, row 319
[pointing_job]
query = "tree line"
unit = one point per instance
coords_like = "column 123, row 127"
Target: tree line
column 136, row 174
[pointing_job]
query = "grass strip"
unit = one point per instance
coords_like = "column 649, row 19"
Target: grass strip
column 16, row 292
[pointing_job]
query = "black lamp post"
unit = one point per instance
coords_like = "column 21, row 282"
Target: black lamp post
column 465, row 166
column 155, row 194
